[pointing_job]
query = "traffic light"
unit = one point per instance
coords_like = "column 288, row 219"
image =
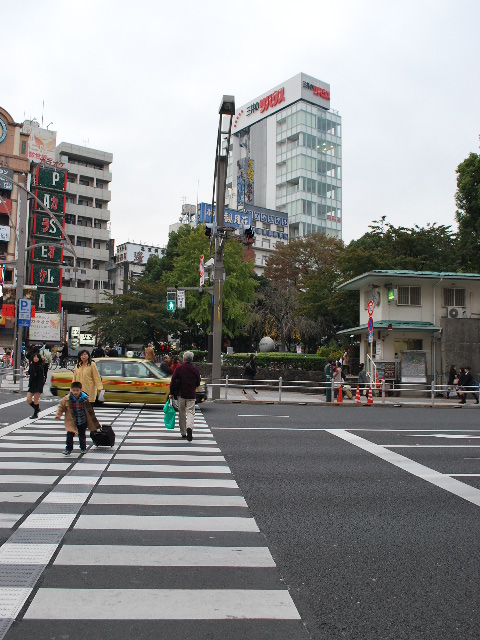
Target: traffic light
column 209, row 230
column 248, row 233
column 171, row 300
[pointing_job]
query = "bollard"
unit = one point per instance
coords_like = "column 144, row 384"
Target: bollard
column 432, row 393
column 383, row 390
column 280, row 389
column 226, row 387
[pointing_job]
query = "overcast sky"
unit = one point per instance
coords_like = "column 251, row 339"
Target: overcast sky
column 144, row 80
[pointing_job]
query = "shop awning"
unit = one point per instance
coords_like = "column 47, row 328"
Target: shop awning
column 396, row 325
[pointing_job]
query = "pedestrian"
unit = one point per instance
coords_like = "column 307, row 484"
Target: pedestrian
column 98, row 351
column 328, row 376
column 183, row 386
column 165, row 365
column 250, row 372
column 112, row 352
column 63, row 355
column 150, row 353
column 86, row 373
column 35, row 383
column 451, row 376
column 175, row 363
column 337, row 378
column 345, row 364
column 362, row 379
column 47, row 360
column 79, row 416
column 467, row 383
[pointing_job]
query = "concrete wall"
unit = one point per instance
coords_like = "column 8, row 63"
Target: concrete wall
column 461, row 343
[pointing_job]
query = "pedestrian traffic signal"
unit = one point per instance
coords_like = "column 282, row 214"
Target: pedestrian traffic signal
column 171, row 300
column 248, row 233
column 209, row 230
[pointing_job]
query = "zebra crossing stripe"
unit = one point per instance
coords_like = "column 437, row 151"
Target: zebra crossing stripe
column 180, row 477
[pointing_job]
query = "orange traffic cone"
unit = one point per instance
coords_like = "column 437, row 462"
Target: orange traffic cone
column 340, row 395
column 370, row 397
column 377, row 381
column 358, row 400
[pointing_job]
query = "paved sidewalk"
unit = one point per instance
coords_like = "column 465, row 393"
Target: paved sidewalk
column 404, row 399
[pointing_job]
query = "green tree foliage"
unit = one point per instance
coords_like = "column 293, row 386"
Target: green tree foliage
column 238, row 289
column 138, row 316
column 467, row 199
column 306, row 272
column 430, row 248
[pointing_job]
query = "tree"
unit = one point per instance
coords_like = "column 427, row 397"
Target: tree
column 138, row 316
column 238, row 289
column 467, row 199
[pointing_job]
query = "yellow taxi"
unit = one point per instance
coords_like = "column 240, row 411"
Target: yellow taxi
column 126, row 380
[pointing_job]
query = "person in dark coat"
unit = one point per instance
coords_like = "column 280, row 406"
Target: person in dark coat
column 183, row 386
column 466, row 383
column 35, row 383
column 98, row 351
column 452, row 374
column 250, row 372
column 64, row 355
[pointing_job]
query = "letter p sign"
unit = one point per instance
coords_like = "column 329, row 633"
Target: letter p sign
column 55, row 178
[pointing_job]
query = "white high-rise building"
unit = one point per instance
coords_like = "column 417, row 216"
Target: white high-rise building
column 286, row 155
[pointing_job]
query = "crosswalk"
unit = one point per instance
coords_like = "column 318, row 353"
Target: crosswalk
column 151, row 536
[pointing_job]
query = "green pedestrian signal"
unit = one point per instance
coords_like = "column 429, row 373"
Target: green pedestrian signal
column 171, row 300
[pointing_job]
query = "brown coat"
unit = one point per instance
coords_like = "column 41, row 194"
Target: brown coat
column 149, row 354
column 65, row 408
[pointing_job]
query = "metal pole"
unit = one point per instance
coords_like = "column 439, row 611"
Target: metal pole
column 226, row 387
column 280, row 389
column 218, row 278
column 21, row 245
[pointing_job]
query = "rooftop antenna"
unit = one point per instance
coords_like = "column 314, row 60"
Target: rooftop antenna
column 43, row 108
column 85, row 142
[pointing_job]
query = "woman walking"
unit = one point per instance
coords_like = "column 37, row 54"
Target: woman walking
column 35, row 383
column 452, row 374
column 250, row 372
column 86, row 372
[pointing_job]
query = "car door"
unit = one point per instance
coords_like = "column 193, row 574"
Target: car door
column 144, row 385
column 111, row 372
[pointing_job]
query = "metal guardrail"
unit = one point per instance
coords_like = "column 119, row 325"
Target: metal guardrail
column 330, row 389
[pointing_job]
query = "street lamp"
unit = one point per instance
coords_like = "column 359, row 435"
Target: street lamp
column 219, row 236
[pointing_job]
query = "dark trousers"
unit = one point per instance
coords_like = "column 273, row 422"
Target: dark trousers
column 82, row 438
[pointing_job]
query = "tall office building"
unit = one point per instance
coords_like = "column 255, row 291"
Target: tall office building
column 286, row 155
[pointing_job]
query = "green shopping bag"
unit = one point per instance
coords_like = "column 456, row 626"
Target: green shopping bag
column 169, row 415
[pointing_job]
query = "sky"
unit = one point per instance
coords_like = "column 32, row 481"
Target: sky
column 144, row 81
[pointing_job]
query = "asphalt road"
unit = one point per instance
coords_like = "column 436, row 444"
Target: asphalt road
column 370, row 514
column 367, row 549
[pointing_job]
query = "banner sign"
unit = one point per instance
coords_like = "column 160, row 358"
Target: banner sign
column 45, row 326
column 44, row 276
column 5, row 205
column 50, row 301
column 5, row 184
column 43, row 225
column 54, row 202
column 50, row 178
column 52, row 253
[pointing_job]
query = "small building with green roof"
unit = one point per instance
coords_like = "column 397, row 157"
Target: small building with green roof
column 423, row 321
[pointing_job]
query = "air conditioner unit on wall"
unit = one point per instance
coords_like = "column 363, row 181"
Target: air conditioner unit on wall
column 454, row 312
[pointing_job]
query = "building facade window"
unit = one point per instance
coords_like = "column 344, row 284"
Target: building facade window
column 410, row 296
column 454, row 297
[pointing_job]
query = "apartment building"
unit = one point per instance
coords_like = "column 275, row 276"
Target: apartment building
column 87, row 224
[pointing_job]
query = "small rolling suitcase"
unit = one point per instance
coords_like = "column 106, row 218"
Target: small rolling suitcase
column 105, row 437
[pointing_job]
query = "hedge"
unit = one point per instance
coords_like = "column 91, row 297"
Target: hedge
column 276, row 360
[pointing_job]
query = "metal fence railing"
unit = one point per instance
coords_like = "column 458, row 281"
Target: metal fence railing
column 381, row 390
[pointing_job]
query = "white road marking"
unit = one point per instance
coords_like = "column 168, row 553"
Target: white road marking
column 164, row 556
column 441, row 480
column 167, row 499
column 166, row 523
column 162, row 604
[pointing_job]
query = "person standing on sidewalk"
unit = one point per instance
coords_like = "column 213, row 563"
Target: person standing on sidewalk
column 79, row 416
column 250, row 372
column 183, row 385
column 47, row 360
column 35, row 383
column 86, row 372
column 150, row 353
column 451, row 376
column 468, row 383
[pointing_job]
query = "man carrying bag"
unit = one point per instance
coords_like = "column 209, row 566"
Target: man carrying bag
column 183, row 384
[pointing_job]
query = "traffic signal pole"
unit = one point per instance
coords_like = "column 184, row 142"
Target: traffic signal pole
column 218, row 277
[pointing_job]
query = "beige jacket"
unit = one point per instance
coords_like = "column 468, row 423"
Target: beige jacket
column 90, row 378
column 64, row 408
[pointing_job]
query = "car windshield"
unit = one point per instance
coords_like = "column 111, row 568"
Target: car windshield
column 157, row 369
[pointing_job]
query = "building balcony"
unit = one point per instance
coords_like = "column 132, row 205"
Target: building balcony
column 89, row 192
column 87, row 232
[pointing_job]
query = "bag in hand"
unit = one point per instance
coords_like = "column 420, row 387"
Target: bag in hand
column 169, row 415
